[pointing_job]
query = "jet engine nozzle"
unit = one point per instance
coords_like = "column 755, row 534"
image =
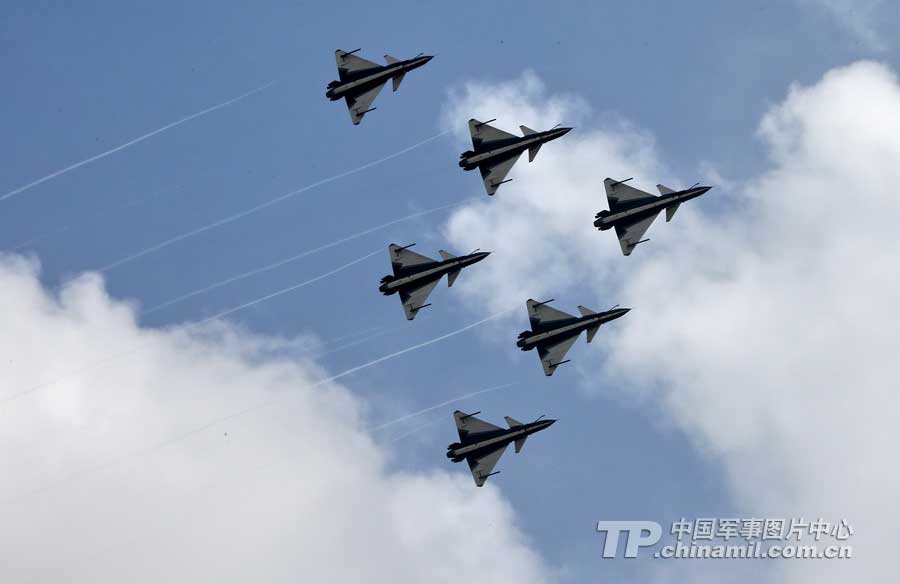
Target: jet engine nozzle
column 384, row 288
column 466, row 154
column 454, row 445
column 451, row 454
column 601, row 214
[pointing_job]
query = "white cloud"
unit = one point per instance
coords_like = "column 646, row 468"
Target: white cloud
column 287, row 493
column 541, row 224
column 765, row 331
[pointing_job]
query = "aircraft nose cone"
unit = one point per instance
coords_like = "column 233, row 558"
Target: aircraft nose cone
column 543, row 425
column 477, row 256
column 620, row 312
column 426, row 58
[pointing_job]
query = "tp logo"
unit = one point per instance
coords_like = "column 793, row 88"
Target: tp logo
column 634, row 536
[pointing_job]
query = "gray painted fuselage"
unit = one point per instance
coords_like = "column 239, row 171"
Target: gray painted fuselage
column 607, row 220
column 483, row 442
column 356, row 84
column 500, row 150
column 411, row 277
column 557, row 330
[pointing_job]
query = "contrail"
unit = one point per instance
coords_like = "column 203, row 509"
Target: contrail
column 440, row 405
column 415, row 430
column 288, row 289
column 134, row 141
column 212, row 423
column 293, row 258
column 413, row 348
column 261, row 206
column 368, row 337
column 380, row 331
column 355, row 334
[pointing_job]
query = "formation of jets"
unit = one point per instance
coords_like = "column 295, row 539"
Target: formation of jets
column 494, row 152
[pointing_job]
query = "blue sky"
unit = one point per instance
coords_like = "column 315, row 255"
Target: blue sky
column 698, row 76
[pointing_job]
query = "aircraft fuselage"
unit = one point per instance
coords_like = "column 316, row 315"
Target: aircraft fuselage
column 505, row 149
column 607, row 220
column 356, row 84
column 565, row 328
column 415, row 276
column 489, row 441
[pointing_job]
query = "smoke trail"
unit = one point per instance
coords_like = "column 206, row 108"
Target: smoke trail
column 413, row 348
column 288, row 289
column 261, row 206
column 440, row 405
column 215, row 422
column 355, row 334
column 293, row 258
column 134, row 141
column 415, row 430
column 345, row 346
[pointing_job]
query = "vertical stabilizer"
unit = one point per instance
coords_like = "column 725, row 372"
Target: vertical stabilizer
column 512, row 422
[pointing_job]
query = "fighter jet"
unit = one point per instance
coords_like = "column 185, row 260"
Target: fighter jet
column 361, row 80
column 631, row 211
column 495, row 151
column 482, row 444
column 415, row 276
column 554, row 332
